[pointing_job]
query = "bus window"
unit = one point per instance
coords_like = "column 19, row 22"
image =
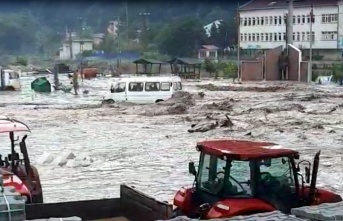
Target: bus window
column 118, row 88
column 136, row 86
column 179, row 85
column 165, row 86
column 152, row 86
column 175, row 87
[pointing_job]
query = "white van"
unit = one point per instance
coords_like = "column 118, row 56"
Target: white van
column 9, row 80
column 143, row 90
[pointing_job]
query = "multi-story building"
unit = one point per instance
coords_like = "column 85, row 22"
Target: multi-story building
column 263, row 25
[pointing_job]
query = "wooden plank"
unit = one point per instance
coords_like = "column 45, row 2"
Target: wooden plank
column 137, row 206
column 87, row 210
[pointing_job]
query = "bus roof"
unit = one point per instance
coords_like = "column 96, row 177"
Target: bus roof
column 149, row 78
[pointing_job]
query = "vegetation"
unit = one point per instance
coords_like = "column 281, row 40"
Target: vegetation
column 173, row 28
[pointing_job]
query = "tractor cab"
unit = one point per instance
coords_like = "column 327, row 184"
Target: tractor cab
column 244, row 177
column 15, row 167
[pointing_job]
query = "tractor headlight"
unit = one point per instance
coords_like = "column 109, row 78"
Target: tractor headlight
column 223, row 207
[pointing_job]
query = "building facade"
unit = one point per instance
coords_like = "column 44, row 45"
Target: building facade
column 208, row 52
column 263, row 24
column 65, row 53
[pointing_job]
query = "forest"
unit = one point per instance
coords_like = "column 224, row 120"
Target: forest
column 172, row 27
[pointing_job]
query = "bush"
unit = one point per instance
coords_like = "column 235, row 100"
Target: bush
column 229, row 69
column 210, row 66
column 21, row 61
column 337, row 71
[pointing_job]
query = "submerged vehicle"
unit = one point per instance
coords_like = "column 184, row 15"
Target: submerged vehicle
column 16, row 168
column 9, row 80
column 143, row 89
column 237, row 177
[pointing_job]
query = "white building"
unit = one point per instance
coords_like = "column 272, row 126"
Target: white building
column 65, row 52
column 208, row 52
column 263, row 25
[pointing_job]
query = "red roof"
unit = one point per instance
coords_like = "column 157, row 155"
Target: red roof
column 268, row 4
column 243, row 149
column 209, row 47
column 11, row 125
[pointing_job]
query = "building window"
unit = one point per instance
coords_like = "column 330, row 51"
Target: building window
column 280, row 20
column 249, row 21
column 329, row 18
column 307, row 36
column 257, row 37
column 294, row 20
column 275, row 37
column 258, row 21
column 245, row 37
column 270, row 20
column 241, row 36
column 303, row 36
column 280, row 36
column 275, row 20
column 329, row 35
column 262, row 36
column 249, row 37
column 253, row 37
column 262, row 20
column 308, row 19
column 303, row 19
column 253, row 21
column 245, row 21
column 270, row 36
column 313, row 37
column 284, row 36
column 293, row 36
column 298, row 19
column 298, row 36
column 266, row 19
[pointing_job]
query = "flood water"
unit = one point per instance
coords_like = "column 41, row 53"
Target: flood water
column 152, row 152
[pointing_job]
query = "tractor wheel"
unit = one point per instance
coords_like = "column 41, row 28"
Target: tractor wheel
column 109, row 101
column 35, row 177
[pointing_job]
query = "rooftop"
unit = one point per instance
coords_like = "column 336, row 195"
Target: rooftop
column 275, row 4
column 209, row 47
column 244, row 150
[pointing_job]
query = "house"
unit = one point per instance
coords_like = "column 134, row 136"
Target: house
column 263, row 25
column 70, row 50
column 208, row 52
column 98, row 38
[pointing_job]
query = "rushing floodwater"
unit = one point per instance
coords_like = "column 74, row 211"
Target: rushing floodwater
column 152, row 153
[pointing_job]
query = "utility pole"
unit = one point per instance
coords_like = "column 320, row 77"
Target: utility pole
column 145, row 27
column 70, row 37
column 290, row 22
column 81, row 47
column 238, row 44
column 127, row 22
column 311, row 42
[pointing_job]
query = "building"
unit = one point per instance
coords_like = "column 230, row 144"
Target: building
column 98, row 38
column 208, row 52
column 66, row 52
column 263, row 25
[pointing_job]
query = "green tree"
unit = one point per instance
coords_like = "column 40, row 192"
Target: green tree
column 181, row 37
column 210, row 66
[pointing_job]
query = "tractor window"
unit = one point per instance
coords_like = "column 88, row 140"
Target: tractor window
column 276, row 173
column 223, row 178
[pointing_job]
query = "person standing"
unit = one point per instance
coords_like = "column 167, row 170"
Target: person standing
column 283, row 65
column 76, row 82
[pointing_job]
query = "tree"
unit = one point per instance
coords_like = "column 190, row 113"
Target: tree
column 210, row 66
column 181, row 37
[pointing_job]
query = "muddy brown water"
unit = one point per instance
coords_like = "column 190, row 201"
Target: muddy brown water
column 152, row 152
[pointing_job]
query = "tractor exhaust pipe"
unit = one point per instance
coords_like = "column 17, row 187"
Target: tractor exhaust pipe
column 312, row 192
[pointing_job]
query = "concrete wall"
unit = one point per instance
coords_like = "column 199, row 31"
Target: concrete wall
column 294, row 59
column 272, row 64
column 251, row 71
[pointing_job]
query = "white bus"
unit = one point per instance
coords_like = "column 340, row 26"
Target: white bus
column 143, row 90
column 9, row 80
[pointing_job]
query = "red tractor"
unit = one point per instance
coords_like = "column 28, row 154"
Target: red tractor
column 16, row 168
column 236, row 177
